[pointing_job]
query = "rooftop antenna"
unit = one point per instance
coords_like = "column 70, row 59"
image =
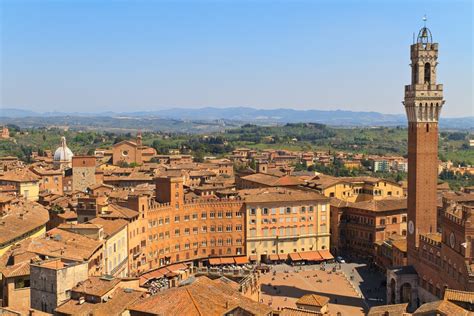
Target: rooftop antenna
column 424, row 20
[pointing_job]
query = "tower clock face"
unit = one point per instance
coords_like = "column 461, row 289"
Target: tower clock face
column 452, row 240
column 411, row 227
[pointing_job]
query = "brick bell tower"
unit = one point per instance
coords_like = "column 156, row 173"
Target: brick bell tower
column 423, row 103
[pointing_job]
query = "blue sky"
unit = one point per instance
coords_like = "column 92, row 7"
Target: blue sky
column 91, row 56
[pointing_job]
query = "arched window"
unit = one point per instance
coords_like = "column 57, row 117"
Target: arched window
column 427, row 127
column 427, row 73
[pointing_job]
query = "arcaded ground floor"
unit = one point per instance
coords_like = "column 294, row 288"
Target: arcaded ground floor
column 284, row 287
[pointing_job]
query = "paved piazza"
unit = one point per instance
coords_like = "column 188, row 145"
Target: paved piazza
column 284, row 285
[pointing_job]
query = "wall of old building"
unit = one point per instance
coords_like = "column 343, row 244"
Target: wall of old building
column 29, row 190
column 15, row 297
column 116, row 254
column 126, row 152
column 271, row 229
column 83, row 172
column 51, row 287
column 51, row 184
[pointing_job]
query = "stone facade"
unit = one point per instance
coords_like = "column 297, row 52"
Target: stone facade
column 52, row 282
column 83, row 172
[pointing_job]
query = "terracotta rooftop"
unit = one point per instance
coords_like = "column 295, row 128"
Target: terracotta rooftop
column 111, row 227
column 120, row 301
column 19, row 175
column 338, row 203
column 6, row 198
column 101, row 185
column 132, row 177
column 96, row 286
column 324, row 181
column 400, row 244
column 388, row 310
column 381, row 205
column 459, row 296
column 21, row 219
column 279, row 194
column 459, row 197
column 201, row 173
column 288, row 311
column 203, row 297
column 118, row 211
column 45, row 172
column 441, row 307
column 63, row 244
column 68, row 215
column 313, row 300
column 273, row 181
column 20, row 269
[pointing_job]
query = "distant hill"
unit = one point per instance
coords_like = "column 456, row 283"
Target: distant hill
column 241, row 115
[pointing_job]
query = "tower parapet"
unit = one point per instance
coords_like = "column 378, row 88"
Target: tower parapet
column 424, row 97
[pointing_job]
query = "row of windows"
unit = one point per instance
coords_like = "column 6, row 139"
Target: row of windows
column 194, row 216
column 204, row 243
column 167, row 261
column 285, row 210
column 430, row 288
column 195, row 231
column 394, row 220
column 360, row 234
column 136, row 232
column 119, row 245
column 283, row 231
column 286, row 220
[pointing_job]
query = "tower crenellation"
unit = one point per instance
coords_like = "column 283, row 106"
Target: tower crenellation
column 424, row 97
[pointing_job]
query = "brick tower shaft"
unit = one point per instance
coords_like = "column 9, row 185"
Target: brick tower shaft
column 423, row 103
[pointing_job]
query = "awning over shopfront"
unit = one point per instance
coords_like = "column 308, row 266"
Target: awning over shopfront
column 326, row 254
column 228, row 260
column 311, row 256
column 177, row 266
column 214, row 261
column 273, row 257
column 241, row 260
column 294, row 256
column 168, row 271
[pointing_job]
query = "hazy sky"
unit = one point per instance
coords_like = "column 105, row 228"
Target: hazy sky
column 80, row 55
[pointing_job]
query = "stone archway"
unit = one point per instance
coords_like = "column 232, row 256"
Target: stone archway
column 393, row 291
column 405, row 293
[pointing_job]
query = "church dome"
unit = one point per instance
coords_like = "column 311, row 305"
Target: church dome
column 63, row 153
